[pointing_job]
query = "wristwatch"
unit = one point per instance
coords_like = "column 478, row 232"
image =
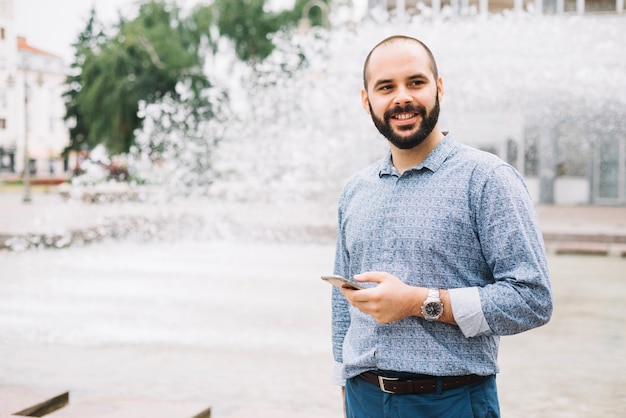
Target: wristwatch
column 432, row 308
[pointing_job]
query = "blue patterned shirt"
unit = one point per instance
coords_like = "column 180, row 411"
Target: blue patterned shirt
column 461, row 220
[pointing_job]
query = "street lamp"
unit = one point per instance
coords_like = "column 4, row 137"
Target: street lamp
column 26, row 178
column 27, row 197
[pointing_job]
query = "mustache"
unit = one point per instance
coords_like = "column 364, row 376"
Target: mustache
column 410, row 108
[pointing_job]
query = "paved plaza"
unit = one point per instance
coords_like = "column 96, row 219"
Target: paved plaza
column 240, row 321
column 583, row 229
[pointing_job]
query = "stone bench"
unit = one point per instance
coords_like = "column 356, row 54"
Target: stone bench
column 121, row 407
column 20, row 402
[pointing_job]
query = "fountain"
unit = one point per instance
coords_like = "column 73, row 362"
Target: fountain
column 192, row 318
column 515, row 85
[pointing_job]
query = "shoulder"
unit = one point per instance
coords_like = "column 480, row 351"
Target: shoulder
column 489, row 178
column 483, row 165
column 366, row 177
column 478, row 158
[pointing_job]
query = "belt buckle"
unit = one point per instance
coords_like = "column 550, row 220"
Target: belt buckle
column 381, row 383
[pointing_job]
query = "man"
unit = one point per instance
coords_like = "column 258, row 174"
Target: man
column 444, row 238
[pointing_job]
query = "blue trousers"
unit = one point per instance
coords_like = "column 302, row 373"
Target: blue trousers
column 476, row 400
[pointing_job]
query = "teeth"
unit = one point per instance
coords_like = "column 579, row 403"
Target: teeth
column 404, row 116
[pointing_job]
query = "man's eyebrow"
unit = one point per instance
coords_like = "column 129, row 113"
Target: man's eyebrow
column 383, row 81
column 418, row 76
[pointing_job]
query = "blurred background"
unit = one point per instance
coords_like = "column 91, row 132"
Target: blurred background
column 237, row 97
column 169, row 174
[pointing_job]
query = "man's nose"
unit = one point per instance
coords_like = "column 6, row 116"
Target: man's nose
column 403, row 97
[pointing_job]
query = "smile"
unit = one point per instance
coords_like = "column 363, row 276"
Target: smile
column 404, row 116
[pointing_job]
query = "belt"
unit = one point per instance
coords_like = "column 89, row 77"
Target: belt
column 406, row 386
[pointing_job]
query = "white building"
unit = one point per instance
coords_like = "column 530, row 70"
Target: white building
column 31, row 104
column 403, row 7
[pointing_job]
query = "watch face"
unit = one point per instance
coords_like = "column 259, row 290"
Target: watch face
column 432, row 309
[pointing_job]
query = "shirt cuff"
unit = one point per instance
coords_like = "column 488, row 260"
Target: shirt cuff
column 337, row 375
column 468, row 312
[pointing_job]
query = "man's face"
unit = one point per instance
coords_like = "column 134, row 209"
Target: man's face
column 402, row 96
column 415, row 134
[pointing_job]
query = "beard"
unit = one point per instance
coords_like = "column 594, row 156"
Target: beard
column 426, row 126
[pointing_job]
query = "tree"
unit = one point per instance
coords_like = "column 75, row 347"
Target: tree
column 292, row 17
column 143, row 61
column 250, row 26
column 146, row 58
column 246, row 23
column 89, row 40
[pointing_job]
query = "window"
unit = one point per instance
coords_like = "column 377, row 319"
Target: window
column 3, row 123
column 512, row 152
column 2, row 33
column 572, row 152
column 531, row 159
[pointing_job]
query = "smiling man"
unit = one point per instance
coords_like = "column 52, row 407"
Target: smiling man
column 402, row 103
column 445, row 240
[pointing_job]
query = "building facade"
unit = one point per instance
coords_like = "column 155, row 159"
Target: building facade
column 401, row 7
column 32, row 127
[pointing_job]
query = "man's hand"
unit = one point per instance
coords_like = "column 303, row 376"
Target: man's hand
column 391, row 300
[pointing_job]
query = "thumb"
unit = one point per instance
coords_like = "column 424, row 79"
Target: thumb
column 372, row 276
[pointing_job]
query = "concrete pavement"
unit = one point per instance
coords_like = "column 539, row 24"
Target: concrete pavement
column 588, row 229
column 556, row 350
column 51, row 221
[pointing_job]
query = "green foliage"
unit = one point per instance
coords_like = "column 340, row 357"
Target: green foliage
column 143, row 61
column 148, row 58
column 251, row 27
column 88, row 41
column 247, row 24
column 292, row 17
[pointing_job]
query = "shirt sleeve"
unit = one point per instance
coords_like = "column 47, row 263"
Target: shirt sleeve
column 340, row 306
column 467, row 311
column 519, row 295
column 337, row 375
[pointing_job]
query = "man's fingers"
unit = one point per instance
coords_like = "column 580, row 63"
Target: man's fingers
column 372, row 276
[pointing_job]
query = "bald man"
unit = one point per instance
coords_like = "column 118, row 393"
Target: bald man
column 445, row 240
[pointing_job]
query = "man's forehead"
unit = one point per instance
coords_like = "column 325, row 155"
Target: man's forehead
column 390, row 58
column 399, row 47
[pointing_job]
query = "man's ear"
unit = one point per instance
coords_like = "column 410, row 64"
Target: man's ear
column 365, row 101
column 440, row 88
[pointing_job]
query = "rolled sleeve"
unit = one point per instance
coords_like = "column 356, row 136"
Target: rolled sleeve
column 467, row 311
column 337, row 374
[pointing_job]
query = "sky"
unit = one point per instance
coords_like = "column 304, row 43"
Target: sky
column 53, row 25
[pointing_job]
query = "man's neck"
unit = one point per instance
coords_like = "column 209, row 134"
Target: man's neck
column 404, row 159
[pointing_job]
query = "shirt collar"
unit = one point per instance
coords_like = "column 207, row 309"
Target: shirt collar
column 433, row 161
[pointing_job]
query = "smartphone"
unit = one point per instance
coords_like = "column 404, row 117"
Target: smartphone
column 342, row 282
